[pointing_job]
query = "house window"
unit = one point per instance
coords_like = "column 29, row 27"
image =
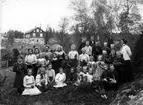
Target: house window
column 34, row 35
column 38, row 30
column 41, row 34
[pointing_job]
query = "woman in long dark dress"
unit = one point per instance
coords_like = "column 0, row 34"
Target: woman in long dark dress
column 20, row 69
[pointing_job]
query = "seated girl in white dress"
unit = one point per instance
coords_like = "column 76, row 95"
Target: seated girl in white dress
column 29, row 85
column 60, row 79
column 89, row 75
column 42, row 80
column 50, row 75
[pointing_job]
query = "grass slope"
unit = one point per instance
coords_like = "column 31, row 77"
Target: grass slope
column 65, row 96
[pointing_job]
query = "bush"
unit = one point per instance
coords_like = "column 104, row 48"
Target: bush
column 6, row 55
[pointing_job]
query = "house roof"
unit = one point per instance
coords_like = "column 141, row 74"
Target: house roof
column 33, row 30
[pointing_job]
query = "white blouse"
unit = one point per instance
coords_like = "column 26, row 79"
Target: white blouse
column 60, row 77
column 83, row 57
column 28, row 81
column 50, row 73
column 72, row 54
column 31, row 58
column 126, row 52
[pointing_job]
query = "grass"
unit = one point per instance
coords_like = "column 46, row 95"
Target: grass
column 65, row 96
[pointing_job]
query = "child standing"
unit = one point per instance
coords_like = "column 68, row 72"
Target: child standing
column 29, row 85
column 91, row 63
column 20, row 69
column 98, row 68
column 73, row 56
column 54, row 62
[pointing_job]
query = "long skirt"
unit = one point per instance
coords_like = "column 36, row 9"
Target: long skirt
column 31, row 91
column 128, row 76
column 74, row 62
column 60, row 84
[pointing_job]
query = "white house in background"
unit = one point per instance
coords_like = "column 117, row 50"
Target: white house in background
column 35, row 36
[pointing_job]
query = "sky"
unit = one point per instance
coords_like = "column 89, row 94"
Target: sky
column 24, row 15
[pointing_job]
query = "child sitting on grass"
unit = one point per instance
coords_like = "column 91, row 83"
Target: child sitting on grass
column 91, row 63
column 72, row 76
column 80, row 75
column 50, row 75
column 29, row 85
column 110, row 78
column 85, row 80
column 60, row 79
column 41, row 80
column 89, row 75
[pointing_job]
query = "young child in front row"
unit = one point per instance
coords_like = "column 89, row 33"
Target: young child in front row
column 109, row 79
column 29, row 85
column 72, row 76
column 50, row 75
column 86, row 78
column 60, row 79
column 41, row 80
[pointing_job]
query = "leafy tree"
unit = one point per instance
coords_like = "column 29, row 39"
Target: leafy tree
column 82, row 17
column 48, row 34
column 127, row 15
column 18, row 34
column 62, row 36
column 10, row 37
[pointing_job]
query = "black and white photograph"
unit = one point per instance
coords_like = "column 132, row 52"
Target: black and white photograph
column 71, row 52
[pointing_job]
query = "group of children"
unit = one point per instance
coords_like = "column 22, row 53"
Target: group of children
column 90, row 68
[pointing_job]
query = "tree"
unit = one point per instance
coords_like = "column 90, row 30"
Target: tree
column 94, row 18
column 18, row 34
column 127, row 15
column 82, row 17
column 10, row 37
column 62, row 36
column 48, row 34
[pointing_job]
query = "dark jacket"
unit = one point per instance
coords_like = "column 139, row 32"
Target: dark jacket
column 107, row 49
column 96, row 50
